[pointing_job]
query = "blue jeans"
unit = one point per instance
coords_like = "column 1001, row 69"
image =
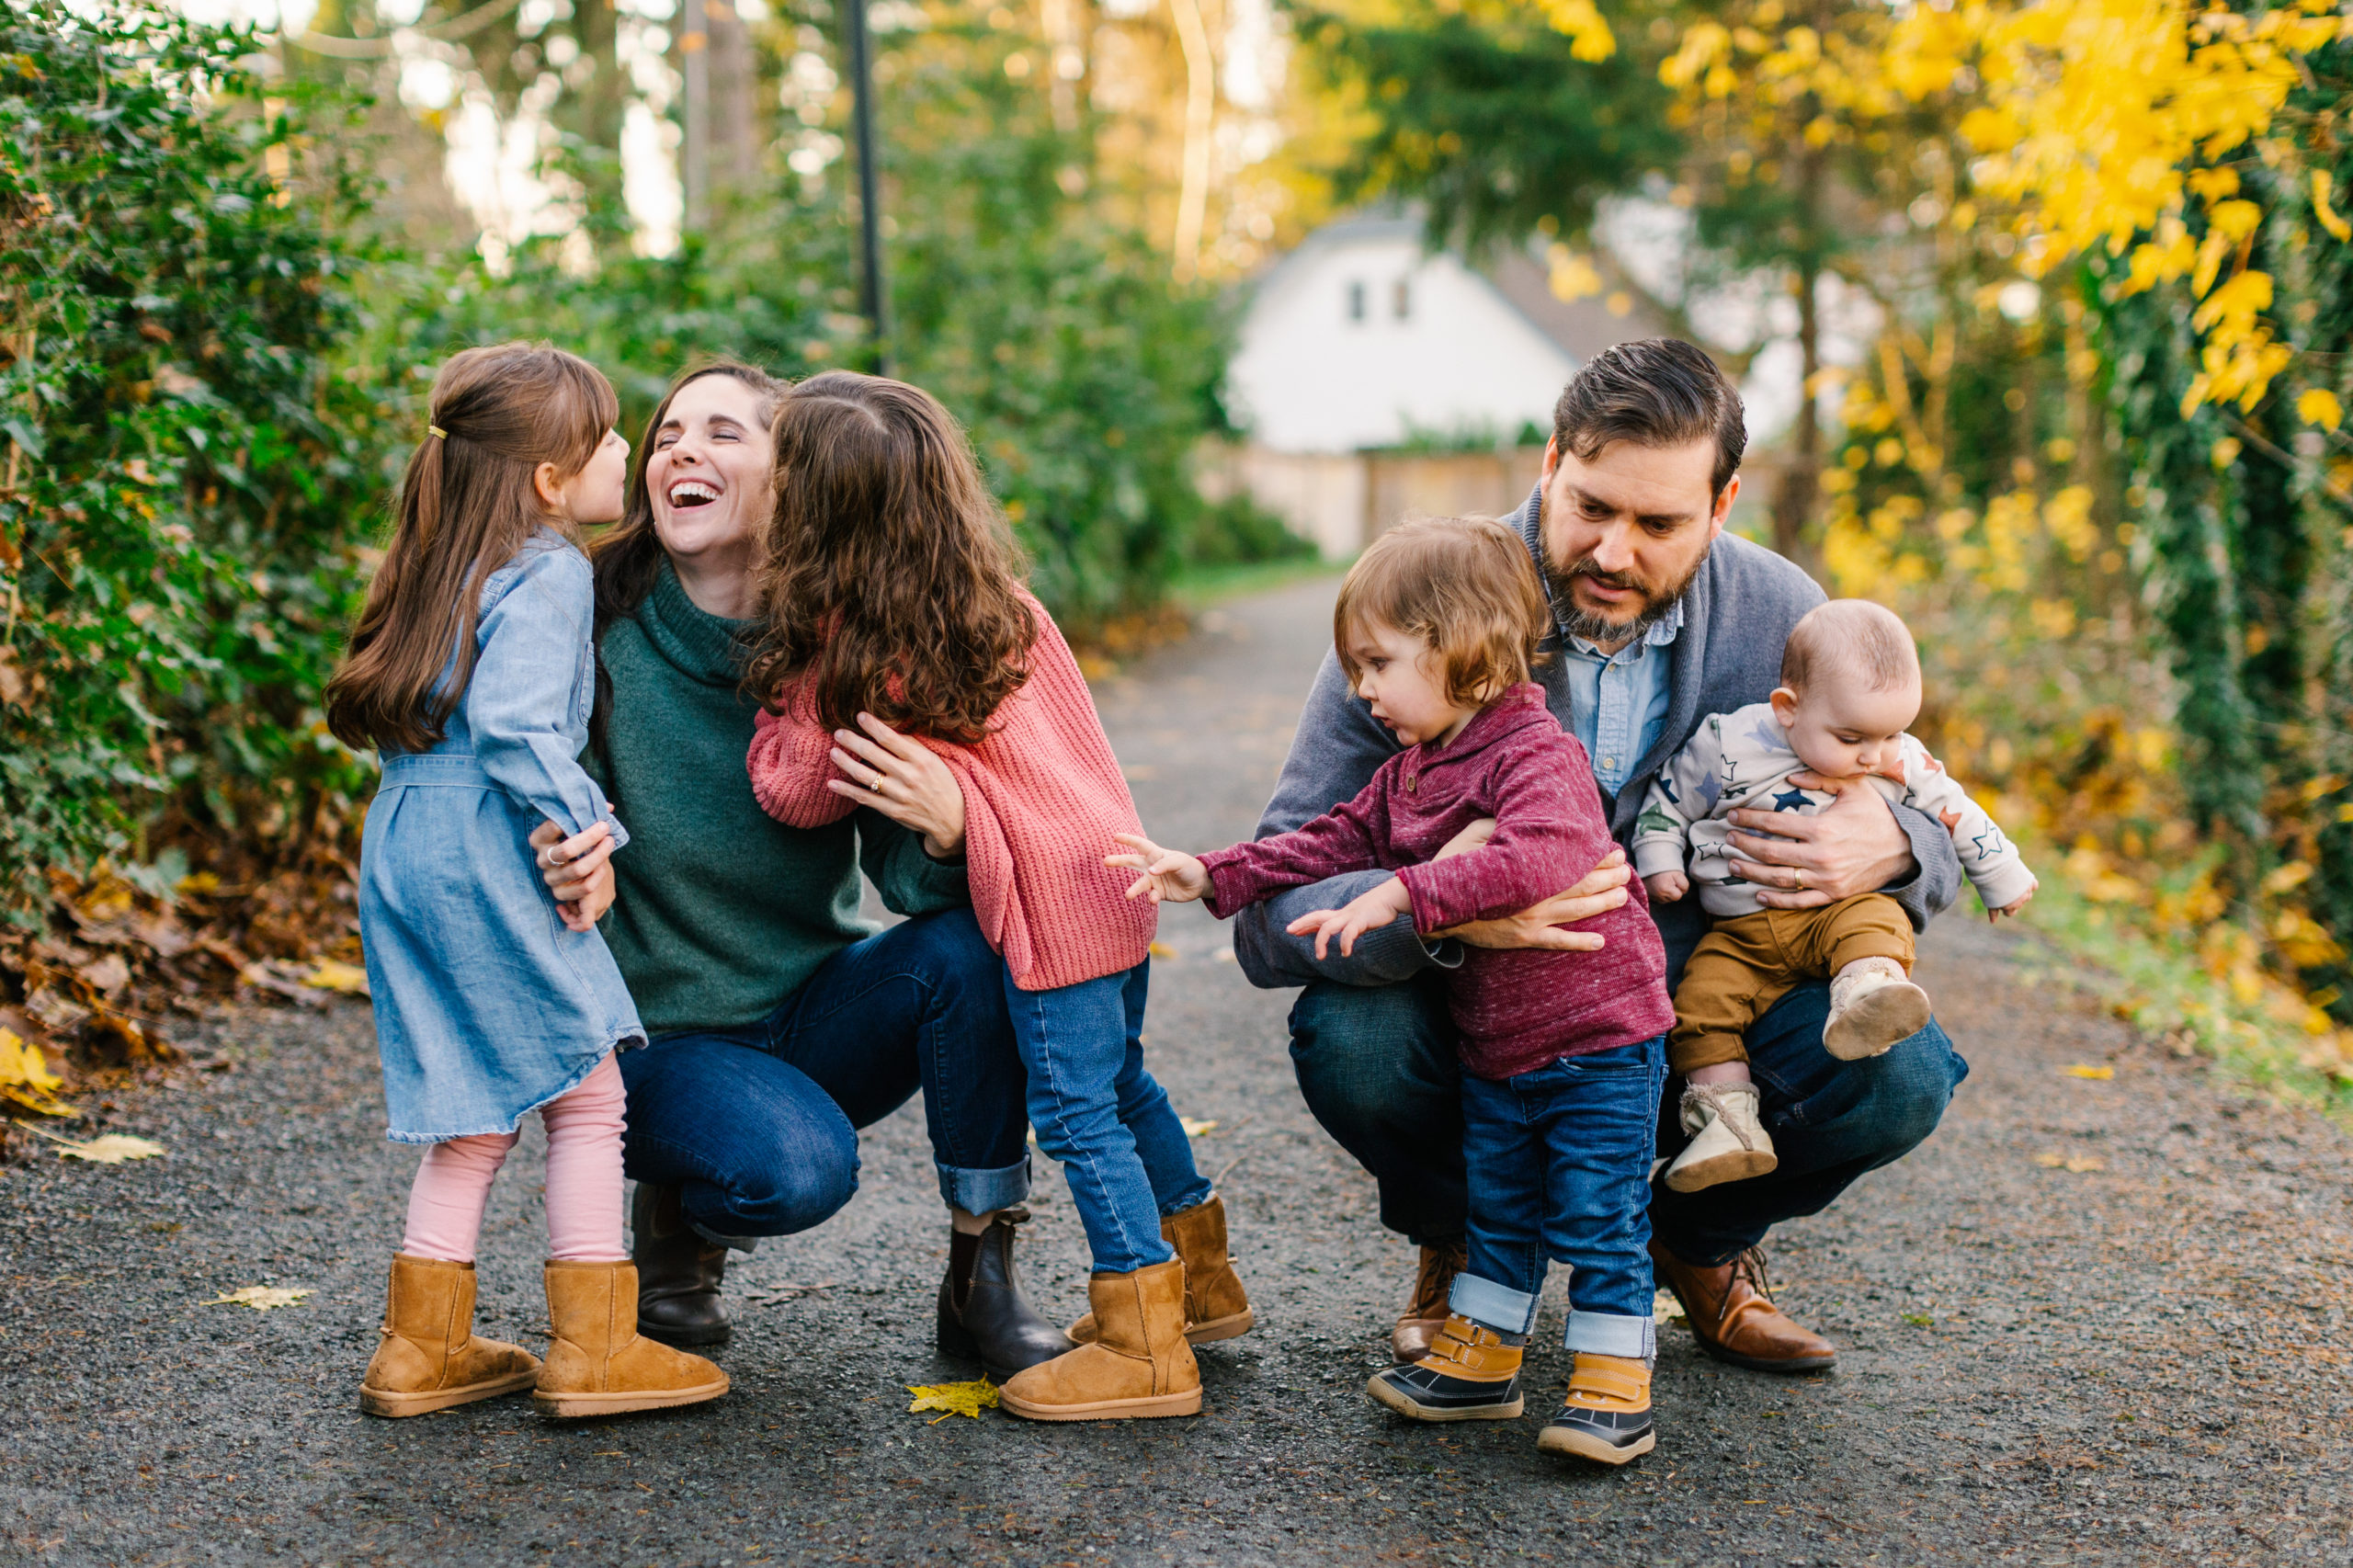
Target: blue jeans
column 758, row 1123
column 1376, row 1067
column 1559, row 1162
column 1103, row 1117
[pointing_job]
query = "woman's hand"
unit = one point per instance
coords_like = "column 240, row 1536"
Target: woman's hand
column 1353, row 918
column 1852, row 845
column 578, row 871
column 1170, row 876
column 1538, row 926
column 904, row 780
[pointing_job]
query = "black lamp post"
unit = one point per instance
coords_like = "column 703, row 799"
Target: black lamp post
column 870, row 207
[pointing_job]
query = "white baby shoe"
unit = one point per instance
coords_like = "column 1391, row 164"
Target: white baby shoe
column 1870, row 1011
column 1728, row 1143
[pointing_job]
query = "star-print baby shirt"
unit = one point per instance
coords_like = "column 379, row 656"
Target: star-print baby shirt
column 1742, row 759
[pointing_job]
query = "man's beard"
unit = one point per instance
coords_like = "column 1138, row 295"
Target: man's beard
column 1592, row 628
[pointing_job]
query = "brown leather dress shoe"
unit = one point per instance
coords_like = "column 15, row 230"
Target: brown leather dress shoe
column 1730, row 1309
column 1418, row 1325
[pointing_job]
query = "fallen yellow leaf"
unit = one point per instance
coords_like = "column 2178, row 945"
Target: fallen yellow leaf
column 110, row 1150
column 261, row 1298
column 1163, row 950
column 1663, row 1304
column 2079, row 1163
column 25, row 1078
column 2099, row 1074
column 330, row 975
column 953, row 1398
column 1194, row 1129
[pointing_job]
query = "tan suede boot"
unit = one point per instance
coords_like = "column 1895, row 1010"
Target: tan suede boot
column 1139, row 1365
column 1216, row 1307
column 428, row 1358
column 597, row 1364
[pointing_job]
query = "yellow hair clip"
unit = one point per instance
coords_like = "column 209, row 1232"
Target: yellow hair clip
column 436, row 431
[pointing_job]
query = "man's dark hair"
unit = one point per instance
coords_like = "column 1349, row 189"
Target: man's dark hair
column 1661, row 391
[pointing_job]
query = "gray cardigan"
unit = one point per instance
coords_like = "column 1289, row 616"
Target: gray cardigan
column 1736, row 615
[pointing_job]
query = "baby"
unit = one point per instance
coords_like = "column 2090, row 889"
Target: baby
column 1850, row 685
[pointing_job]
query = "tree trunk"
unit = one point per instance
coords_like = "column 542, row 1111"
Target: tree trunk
column 1798, row 495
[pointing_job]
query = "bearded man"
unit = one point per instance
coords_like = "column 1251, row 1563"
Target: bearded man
column 1661, row 619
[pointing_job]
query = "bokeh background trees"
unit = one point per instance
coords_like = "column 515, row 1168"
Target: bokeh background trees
column 2055, row 292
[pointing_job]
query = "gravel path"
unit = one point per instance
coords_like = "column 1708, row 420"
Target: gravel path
column 2091, row 1321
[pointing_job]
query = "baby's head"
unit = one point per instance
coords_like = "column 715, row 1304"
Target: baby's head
column 1850, row 685
column 1438, row 619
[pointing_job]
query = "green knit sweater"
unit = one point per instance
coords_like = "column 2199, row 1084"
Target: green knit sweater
column 721, row 912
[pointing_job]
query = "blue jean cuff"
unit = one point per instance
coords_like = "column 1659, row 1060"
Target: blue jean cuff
column 745, row 1245
column 984, row 1192
column 1608, row 1333
column 1491, row 1305
column 1191, row 1197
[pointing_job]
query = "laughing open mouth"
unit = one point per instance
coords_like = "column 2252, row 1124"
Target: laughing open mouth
column 692, row 492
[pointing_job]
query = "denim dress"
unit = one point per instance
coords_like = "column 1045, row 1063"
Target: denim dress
column 486, row 1006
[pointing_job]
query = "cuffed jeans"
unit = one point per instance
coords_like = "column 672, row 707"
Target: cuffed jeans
column 1559, row 1162
column 1377, row 1067
column 759, row 1123
column 1103, row 1117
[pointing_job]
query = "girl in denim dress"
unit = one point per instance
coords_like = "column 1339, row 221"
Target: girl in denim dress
column 471, row 672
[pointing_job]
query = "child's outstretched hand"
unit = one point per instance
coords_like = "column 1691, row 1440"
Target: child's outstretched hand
column 1353, row 918
column 2015, row 905
column 1170, row 876
column 1667, row 887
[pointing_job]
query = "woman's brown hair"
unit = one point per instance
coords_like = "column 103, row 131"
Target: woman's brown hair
column 888, row 577
column 628, row 556
column 466, row 507
column 1466, row 587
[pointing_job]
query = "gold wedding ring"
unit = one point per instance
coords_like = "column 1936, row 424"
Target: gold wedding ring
column 1799, row 879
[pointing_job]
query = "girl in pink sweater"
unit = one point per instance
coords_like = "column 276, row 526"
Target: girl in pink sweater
column 889, row 598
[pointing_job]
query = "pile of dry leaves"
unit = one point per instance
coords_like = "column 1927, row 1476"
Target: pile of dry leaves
column 93, row 995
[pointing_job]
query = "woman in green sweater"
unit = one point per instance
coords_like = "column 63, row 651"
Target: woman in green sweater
column 778, row 1021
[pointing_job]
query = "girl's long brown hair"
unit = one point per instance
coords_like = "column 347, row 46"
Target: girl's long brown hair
column 887, row 576
column 466, row 507
column 628, row 555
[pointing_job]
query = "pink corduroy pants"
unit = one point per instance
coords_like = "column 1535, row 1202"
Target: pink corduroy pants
column 583, row 1127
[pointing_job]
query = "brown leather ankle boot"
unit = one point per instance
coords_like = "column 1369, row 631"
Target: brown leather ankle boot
column 984, row 1316
column 1730, row 1309
column 1139, row 1364
column 598, row 1363
column 678, row 1273
column 1425, row 1316
column 428, row 1359
column 1216, row 1306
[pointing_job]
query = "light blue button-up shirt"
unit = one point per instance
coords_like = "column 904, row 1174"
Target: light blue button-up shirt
column 1618, row 701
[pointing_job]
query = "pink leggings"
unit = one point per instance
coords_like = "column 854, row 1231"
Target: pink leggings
column 584, row 1180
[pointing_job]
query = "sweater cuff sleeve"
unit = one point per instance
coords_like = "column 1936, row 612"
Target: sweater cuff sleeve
column 1653, row 856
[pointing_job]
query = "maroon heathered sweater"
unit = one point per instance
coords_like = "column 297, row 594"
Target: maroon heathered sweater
column 1516, row 1009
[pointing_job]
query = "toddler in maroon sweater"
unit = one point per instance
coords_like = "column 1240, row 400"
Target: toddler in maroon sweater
column 1564, row 1054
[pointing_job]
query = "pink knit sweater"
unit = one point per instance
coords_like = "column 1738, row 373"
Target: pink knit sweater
column 1042, row 797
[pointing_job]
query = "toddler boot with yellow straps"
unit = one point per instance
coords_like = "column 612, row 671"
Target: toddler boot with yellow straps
column 1607, row 1416
column 1470, row 1373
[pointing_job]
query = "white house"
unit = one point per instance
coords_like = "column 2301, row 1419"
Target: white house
column 1361, row 342
column 1361, row 338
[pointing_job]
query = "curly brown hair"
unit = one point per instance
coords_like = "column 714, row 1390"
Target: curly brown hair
column 888, row 578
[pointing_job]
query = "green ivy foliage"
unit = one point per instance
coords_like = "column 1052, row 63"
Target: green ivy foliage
column 186, row 481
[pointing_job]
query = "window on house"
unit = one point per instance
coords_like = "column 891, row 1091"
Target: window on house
column 1401, row 299
column 1355, row 301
